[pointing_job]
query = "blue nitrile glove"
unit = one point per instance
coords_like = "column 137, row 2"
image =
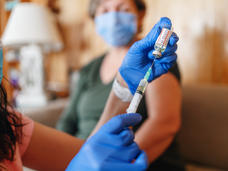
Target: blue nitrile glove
column 112, row 148
column 139, row 57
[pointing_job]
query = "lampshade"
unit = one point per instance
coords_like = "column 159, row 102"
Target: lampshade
column 31, row 23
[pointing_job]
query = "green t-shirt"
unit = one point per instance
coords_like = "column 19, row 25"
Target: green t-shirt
column 88, row 101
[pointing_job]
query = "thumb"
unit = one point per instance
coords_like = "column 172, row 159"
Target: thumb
column 149, row 41
column 118, row 123
column 141, row 161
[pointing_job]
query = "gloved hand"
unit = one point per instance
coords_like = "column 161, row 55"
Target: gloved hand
column 112, row 148
column 139, row 57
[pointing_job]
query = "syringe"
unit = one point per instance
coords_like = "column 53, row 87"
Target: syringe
column 160, row 46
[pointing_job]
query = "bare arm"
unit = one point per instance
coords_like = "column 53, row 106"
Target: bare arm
column 163, row 98
column 50, row 149
column 113, row 107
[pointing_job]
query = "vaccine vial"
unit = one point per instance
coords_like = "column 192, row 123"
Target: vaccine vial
column 137, row 96
column 162, row 42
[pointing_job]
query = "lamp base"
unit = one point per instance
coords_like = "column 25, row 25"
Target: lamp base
column 31, row 79
column 31, row 100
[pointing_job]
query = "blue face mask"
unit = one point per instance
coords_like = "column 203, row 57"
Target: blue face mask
column 1, row 62
column 116, row 28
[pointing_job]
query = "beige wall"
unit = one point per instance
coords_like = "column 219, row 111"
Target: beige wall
column 203, row 30
column 201, row 25
column 82, row 43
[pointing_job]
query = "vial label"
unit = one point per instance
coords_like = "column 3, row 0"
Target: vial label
column 163, row 39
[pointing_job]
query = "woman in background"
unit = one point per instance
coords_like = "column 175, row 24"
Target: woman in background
column 119, row 22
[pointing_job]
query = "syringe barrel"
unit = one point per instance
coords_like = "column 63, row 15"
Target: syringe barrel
column 137, row 96
column 142, row 86
column 135, row 103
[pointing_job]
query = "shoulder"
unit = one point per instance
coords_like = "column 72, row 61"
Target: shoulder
column 90, row 66
column 90, row 73
column 27, row 130
column 175, row 71
column 163, row 95
column 23, row 141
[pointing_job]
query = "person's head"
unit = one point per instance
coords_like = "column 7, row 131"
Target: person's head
column 10, row 124
column 117, row 21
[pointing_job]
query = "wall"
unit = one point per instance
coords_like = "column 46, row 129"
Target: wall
column 81, row 42
column 1, row 16
column 203, row 31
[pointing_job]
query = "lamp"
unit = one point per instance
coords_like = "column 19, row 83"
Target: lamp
column 32, row 29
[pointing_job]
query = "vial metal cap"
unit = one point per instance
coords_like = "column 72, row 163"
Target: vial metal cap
column 157, row 54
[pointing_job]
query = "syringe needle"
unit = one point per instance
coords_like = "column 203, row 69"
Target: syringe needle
column 140, row 91
column 152, row 64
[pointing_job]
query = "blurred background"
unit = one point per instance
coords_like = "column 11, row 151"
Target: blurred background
column 201, row 25
column 72, row 43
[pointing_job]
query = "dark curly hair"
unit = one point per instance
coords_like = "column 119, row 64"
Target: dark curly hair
column 10, row 128
column 93, row 5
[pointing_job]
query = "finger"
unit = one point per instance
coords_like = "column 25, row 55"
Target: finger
column 173, row 39
column 120, row 122
column 169, row 50
column 130, row 153
column 140, row 164
column 127, row 136
column 164, row 22
column 167, row 59
column 168, row 66
column 124, row 138
column 161, row 66
column 141, row 161
column 150, row 55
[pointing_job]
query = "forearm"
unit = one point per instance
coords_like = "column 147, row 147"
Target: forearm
column 50, row 149
column 114, row 106
column 154, row 137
